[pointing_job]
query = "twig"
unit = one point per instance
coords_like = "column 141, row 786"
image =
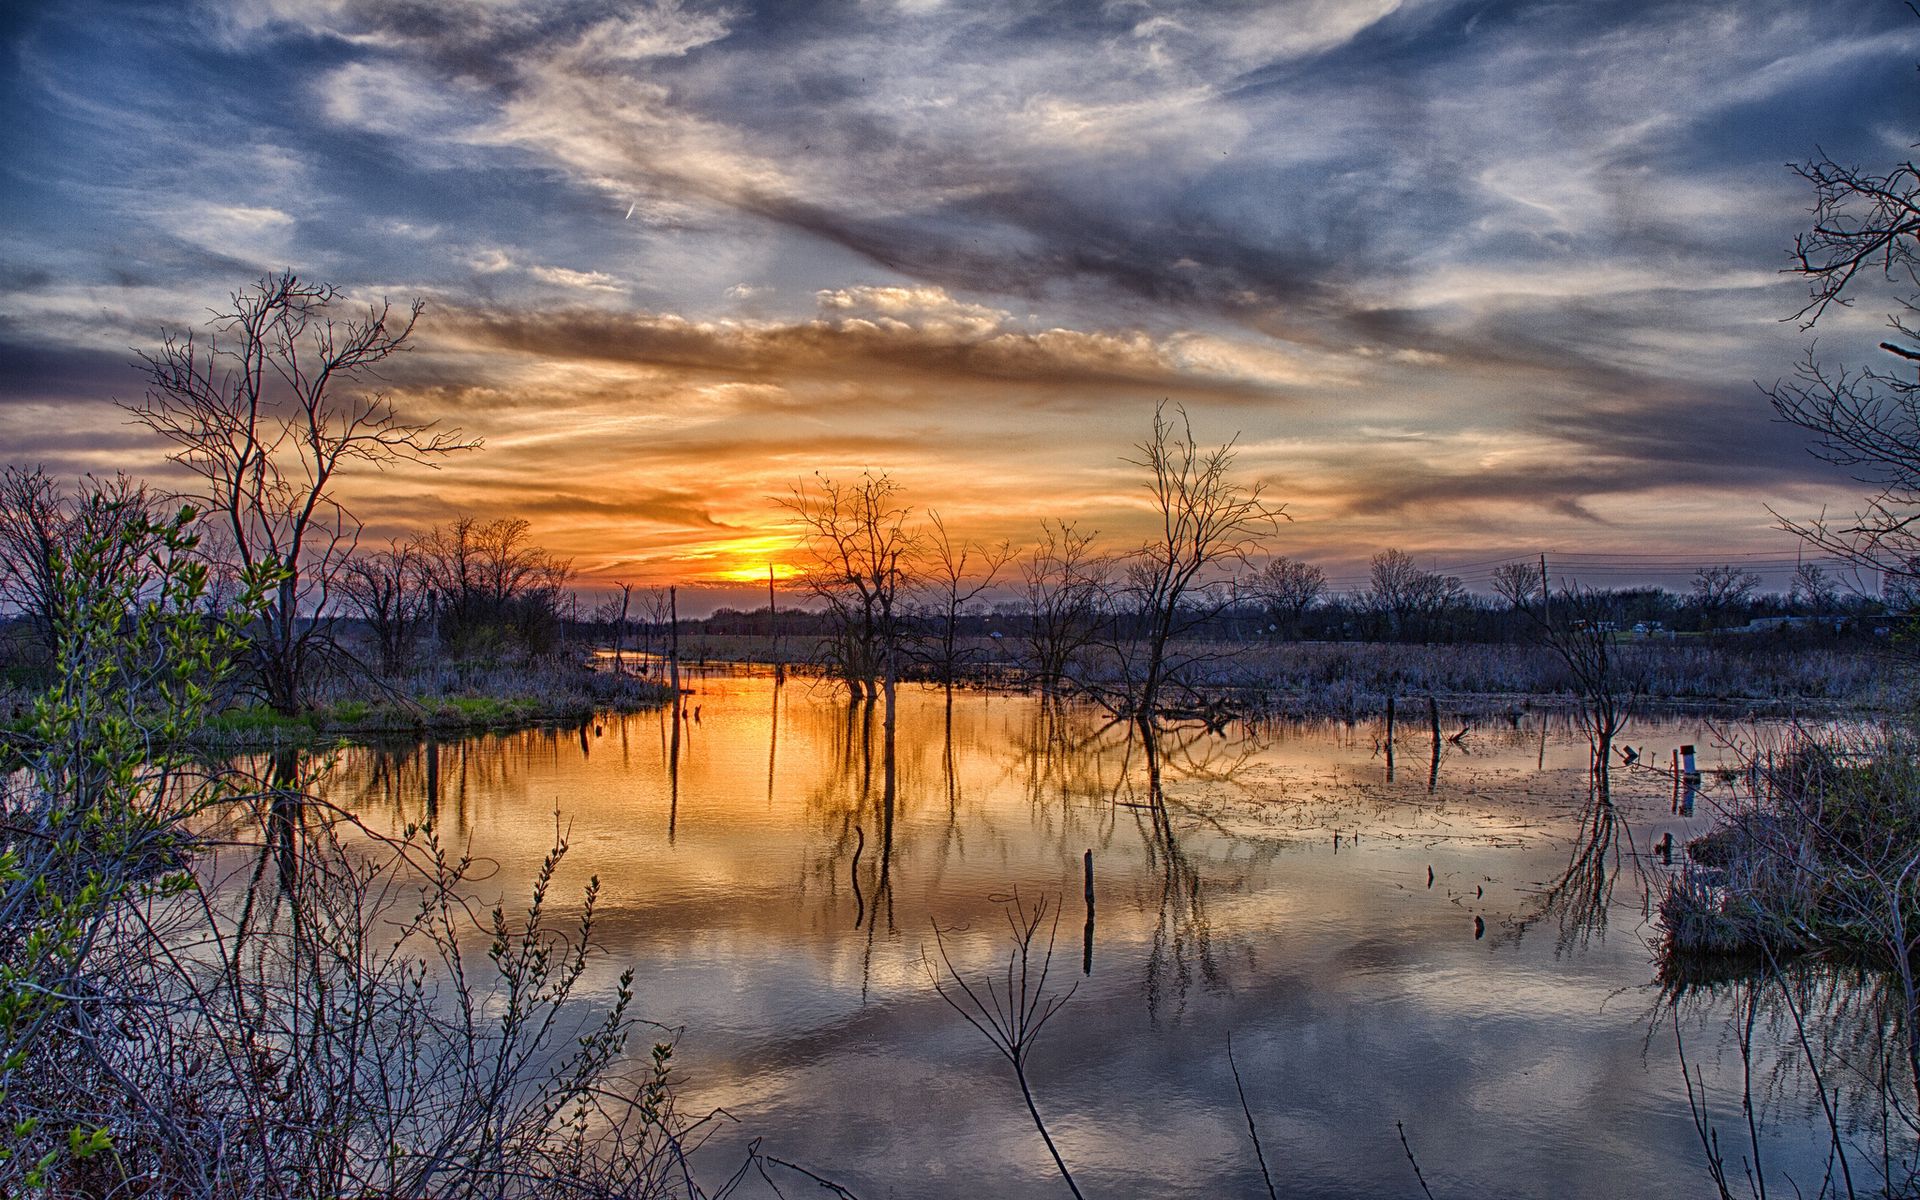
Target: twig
column 1015, row 1009
column 828, row 1184
column 1251, row 1131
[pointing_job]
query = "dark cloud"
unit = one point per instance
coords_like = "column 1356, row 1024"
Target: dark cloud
column 43, row 369
column 853, row 348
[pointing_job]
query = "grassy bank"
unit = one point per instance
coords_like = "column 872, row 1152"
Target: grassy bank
column 1356, row 678
column 442, row 701
column 446, row 700
column 1819, row 853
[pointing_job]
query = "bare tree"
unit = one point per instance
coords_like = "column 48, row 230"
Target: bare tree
column 612, row 612
column 1814, row 590
column 1407, row 594
column 951, row 576
column 492, row 587
column 657, row 611
column 1716, row 590
column 1288, row 588
column 266, row 411
column 1518, row 582
column 1577, row 628
column 1208, row 523
column 860, row 553
column 1864, row 419
column 389, row 591
column 1066, row 590
column 41, row 522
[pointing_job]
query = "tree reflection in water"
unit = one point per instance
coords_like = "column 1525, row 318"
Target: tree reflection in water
column 1579, row 900
column 1182, row 940
column 831, row 865
column 1815, row 1050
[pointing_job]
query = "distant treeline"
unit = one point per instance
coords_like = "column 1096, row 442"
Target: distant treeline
column 1442, row 615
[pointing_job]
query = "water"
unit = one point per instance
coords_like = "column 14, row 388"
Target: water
column 777, row 889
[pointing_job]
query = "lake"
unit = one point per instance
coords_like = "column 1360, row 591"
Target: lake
column 1457, row 945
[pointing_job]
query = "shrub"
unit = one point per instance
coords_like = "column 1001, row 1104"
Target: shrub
column 211, row 984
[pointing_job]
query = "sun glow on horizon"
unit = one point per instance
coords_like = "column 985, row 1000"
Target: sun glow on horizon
column 741, row 560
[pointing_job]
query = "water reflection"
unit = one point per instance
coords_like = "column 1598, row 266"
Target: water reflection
column 1814, row 1067
column 773, row 859
column 1580, row 899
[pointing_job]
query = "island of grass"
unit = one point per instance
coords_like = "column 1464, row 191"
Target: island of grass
column 1818, row 855
column 445, row 703
column 449, row 701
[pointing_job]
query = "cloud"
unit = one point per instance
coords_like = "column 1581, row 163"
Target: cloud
column 586, row 281
column 888, row 333
column 1539, row 241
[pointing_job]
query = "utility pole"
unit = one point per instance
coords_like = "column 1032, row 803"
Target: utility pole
column 1546, row 594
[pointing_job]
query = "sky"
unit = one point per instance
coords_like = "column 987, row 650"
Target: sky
column 1473, row 279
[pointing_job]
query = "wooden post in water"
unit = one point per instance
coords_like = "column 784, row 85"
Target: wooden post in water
column 1433, row 719
column 773, row 621
column 1086, row 949
column 1389, row 741
column 673, row 644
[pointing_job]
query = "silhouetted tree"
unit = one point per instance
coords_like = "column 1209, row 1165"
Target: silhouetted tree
column 1814, row 591
column 1578, row 626
column 1287, row 588
column 41, row 523
column 1066, row 593
column 389, row 590
column 1517, row 583
column 1865, row 419
column 266, row 411
column 860, row 554
column 1208, row 522
column 951, row 575
column 493, row 589
column 612, row 613
column 1407, row 595
column 1719, row 590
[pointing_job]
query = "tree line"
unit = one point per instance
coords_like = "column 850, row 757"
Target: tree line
column 1020, row 598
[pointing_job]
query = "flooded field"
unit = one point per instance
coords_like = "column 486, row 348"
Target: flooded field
column 1457, row 944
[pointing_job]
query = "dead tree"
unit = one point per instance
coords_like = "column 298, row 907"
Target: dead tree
column 1864, row 419
column 388, row 590
column 492, row 587
column 1717, row 591
column 1066, row 597
column 860, row 552
column 1408, row 596
column 266, row 410
column 951, row 575
column 1208, row 523
column 1575, row 628
column 1517, row 583
column 1287, row 588
column 612, row 612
